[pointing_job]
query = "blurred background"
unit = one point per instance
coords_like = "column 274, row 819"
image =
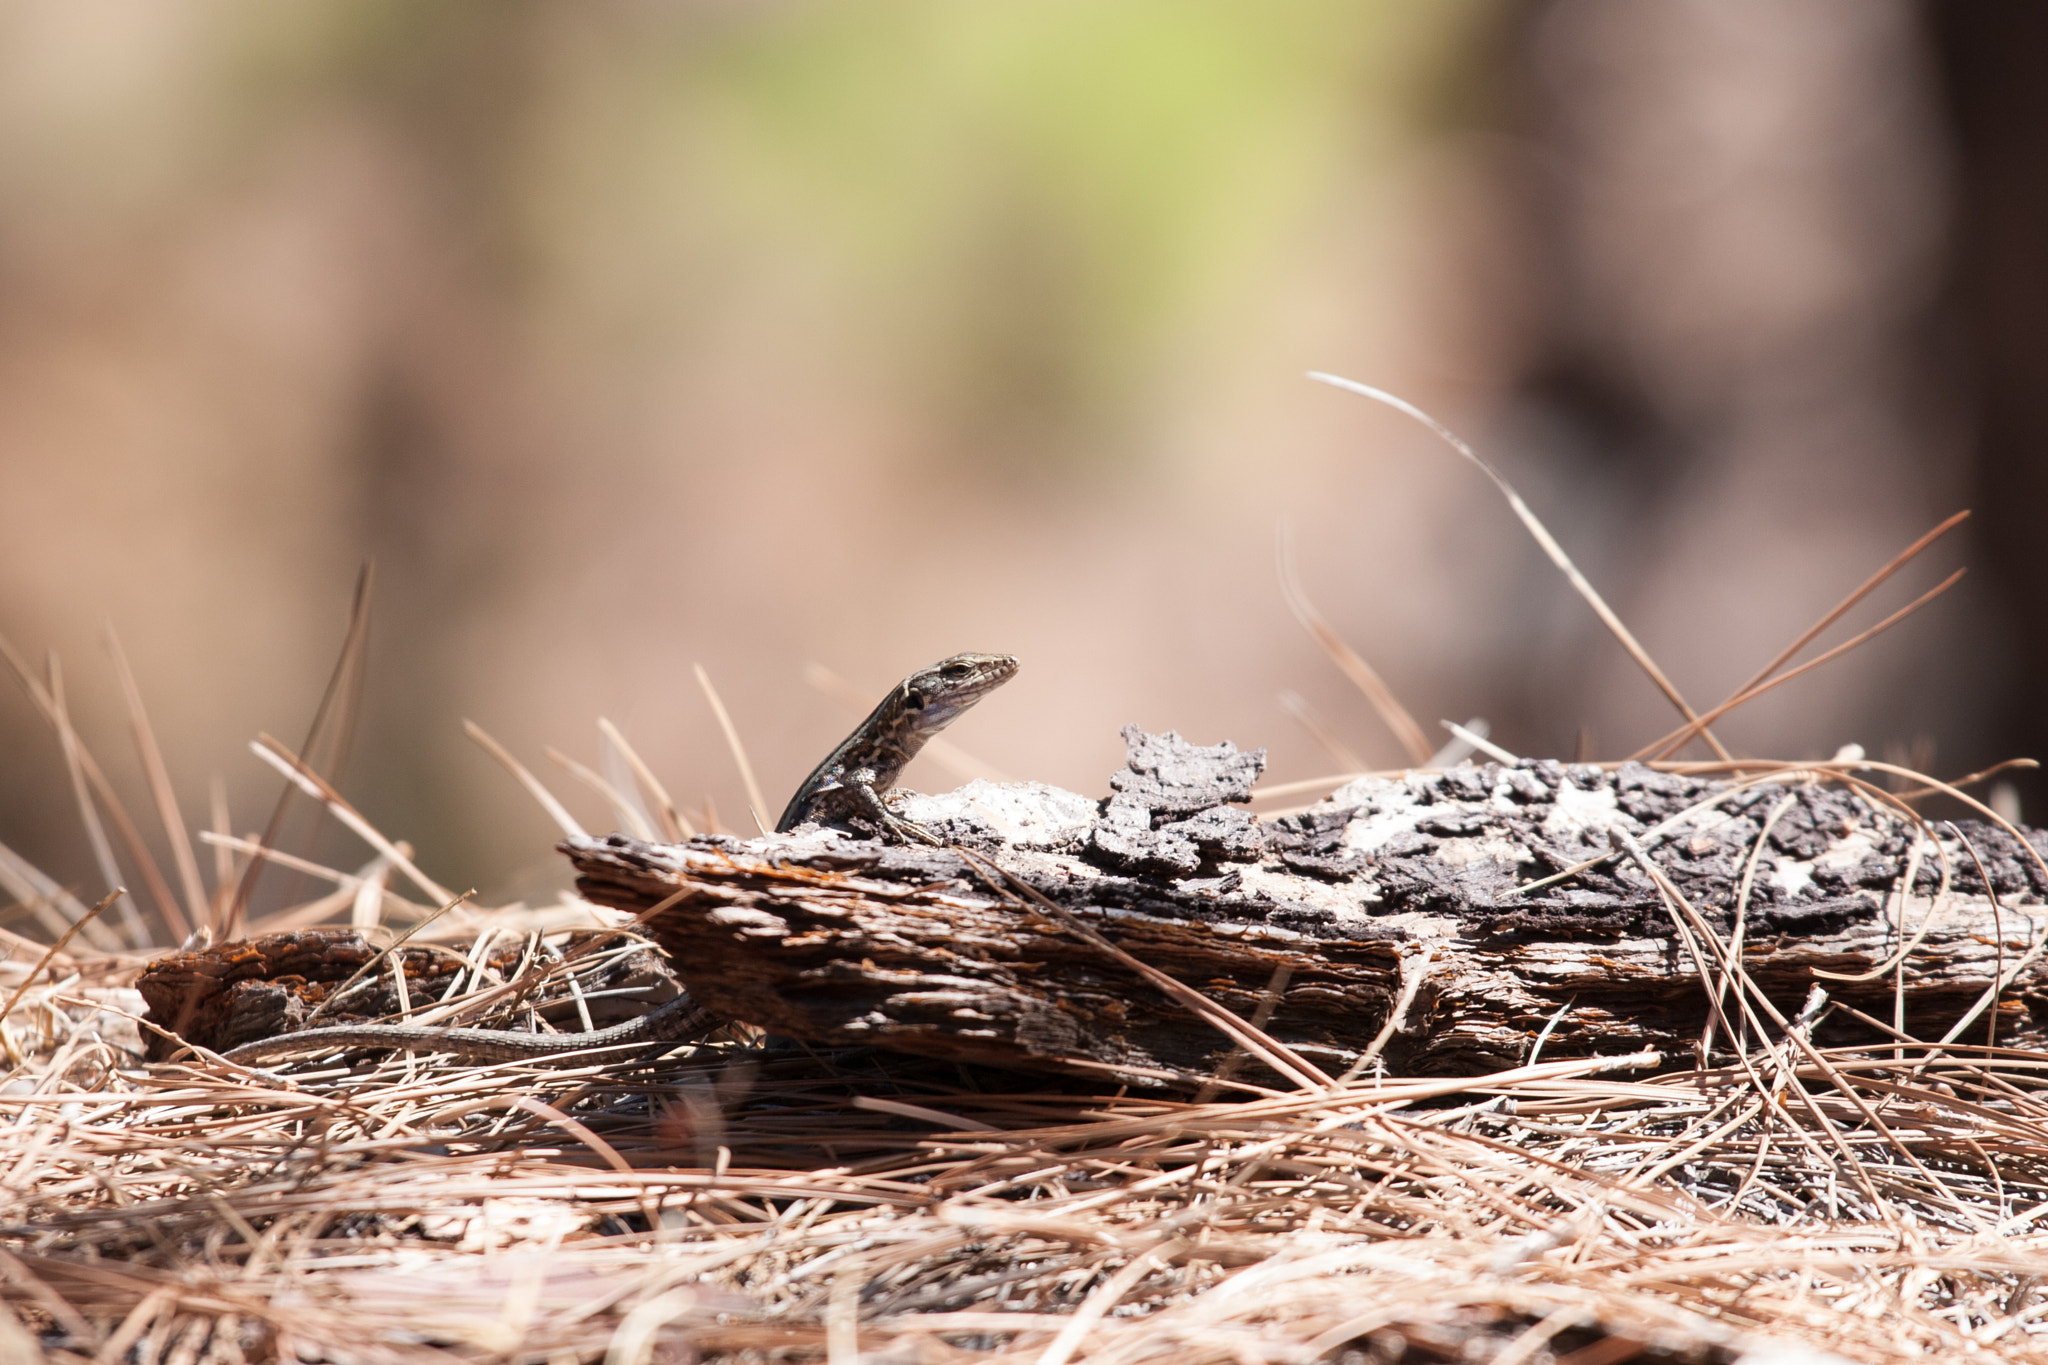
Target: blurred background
column 628, row 335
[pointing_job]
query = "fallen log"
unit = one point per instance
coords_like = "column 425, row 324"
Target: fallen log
column 1316, row 922
column 231, row 994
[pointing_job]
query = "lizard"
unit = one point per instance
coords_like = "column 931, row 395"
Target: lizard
column 674, row 1021
column 853, row 783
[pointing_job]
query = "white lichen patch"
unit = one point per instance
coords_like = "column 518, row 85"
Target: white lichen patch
column 1580, row 815
column 1385, row 810
column 1023, row 814
column 1708, row 821
column 1792, row 877
column 1495, row 848
column 1348, row 904
column 1855, row 847
column 1372, row 793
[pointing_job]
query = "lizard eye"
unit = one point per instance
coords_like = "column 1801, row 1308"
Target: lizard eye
column 955, row 672
column 914, row 699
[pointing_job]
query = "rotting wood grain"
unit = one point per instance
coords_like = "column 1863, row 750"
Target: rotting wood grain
column 229, row 994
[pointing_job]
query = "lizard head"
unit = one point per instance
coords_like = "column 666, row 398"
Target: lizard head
column 945, row 689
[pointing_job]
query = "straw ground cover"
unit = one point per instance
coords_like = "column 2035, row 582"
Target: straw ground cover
column 744, row 1203
column 746, row 1199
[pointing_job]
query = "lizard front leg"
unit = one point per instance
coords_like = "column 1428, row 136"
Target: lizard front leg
column 871, row 807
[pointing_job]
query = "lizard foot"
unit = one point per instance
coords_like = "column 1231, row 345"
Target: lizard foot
column 911, row 832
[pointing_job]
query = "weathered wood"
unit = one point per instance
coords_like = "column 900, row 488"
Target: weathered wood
column 837, row 940
column 248, row 990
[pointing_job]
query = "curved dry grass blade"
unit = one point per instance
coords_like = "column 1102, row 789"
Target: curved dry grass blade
column 1663, row 828
column 1688, row 924
column 95, row 832
column 675, row 827
column 1323, row 784
column 576, row 1129
column 159, row 775
column 348, row 882
column 58, row 947
column 223, row 857
column 366, row 909
column 1935, row 905
column 1262, row 1015
column 1924, row 835
column 1256, row 1041
column 1097, row 1305
column 331, row 738
column 756, row 805
column 1392, row 714
column 617, row 775
column 1842, row 608
column 342, row 685
column 1477, row 740
column 1539, row 1334
column 54, row 907
column 2003, row 979
column 1982, row 774
column 310, row 782
column 1747, row 991
column 349, row 890
column 555, row 809
column 628, row 811
column 1743, row 891
column 1306, row 716
column 1663, row 747
column 1414, row 971
column 131, row 838
column 1544, row 540
column 378, row 958
column 938, row 749
column 1454, row 749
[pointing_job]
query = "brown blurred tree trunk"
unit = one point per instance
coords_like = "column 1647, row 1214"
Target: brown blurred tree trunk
column 1993, row 58
column 1738, row 384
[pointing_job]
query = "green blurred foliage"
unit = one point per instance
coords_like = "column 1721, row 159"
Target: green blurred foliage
column 1025, row 205
column 1017, row 214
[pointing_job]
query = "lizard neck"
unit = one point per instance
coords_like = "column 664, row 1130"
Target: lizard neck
column 914, row 710
column 870, row 746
